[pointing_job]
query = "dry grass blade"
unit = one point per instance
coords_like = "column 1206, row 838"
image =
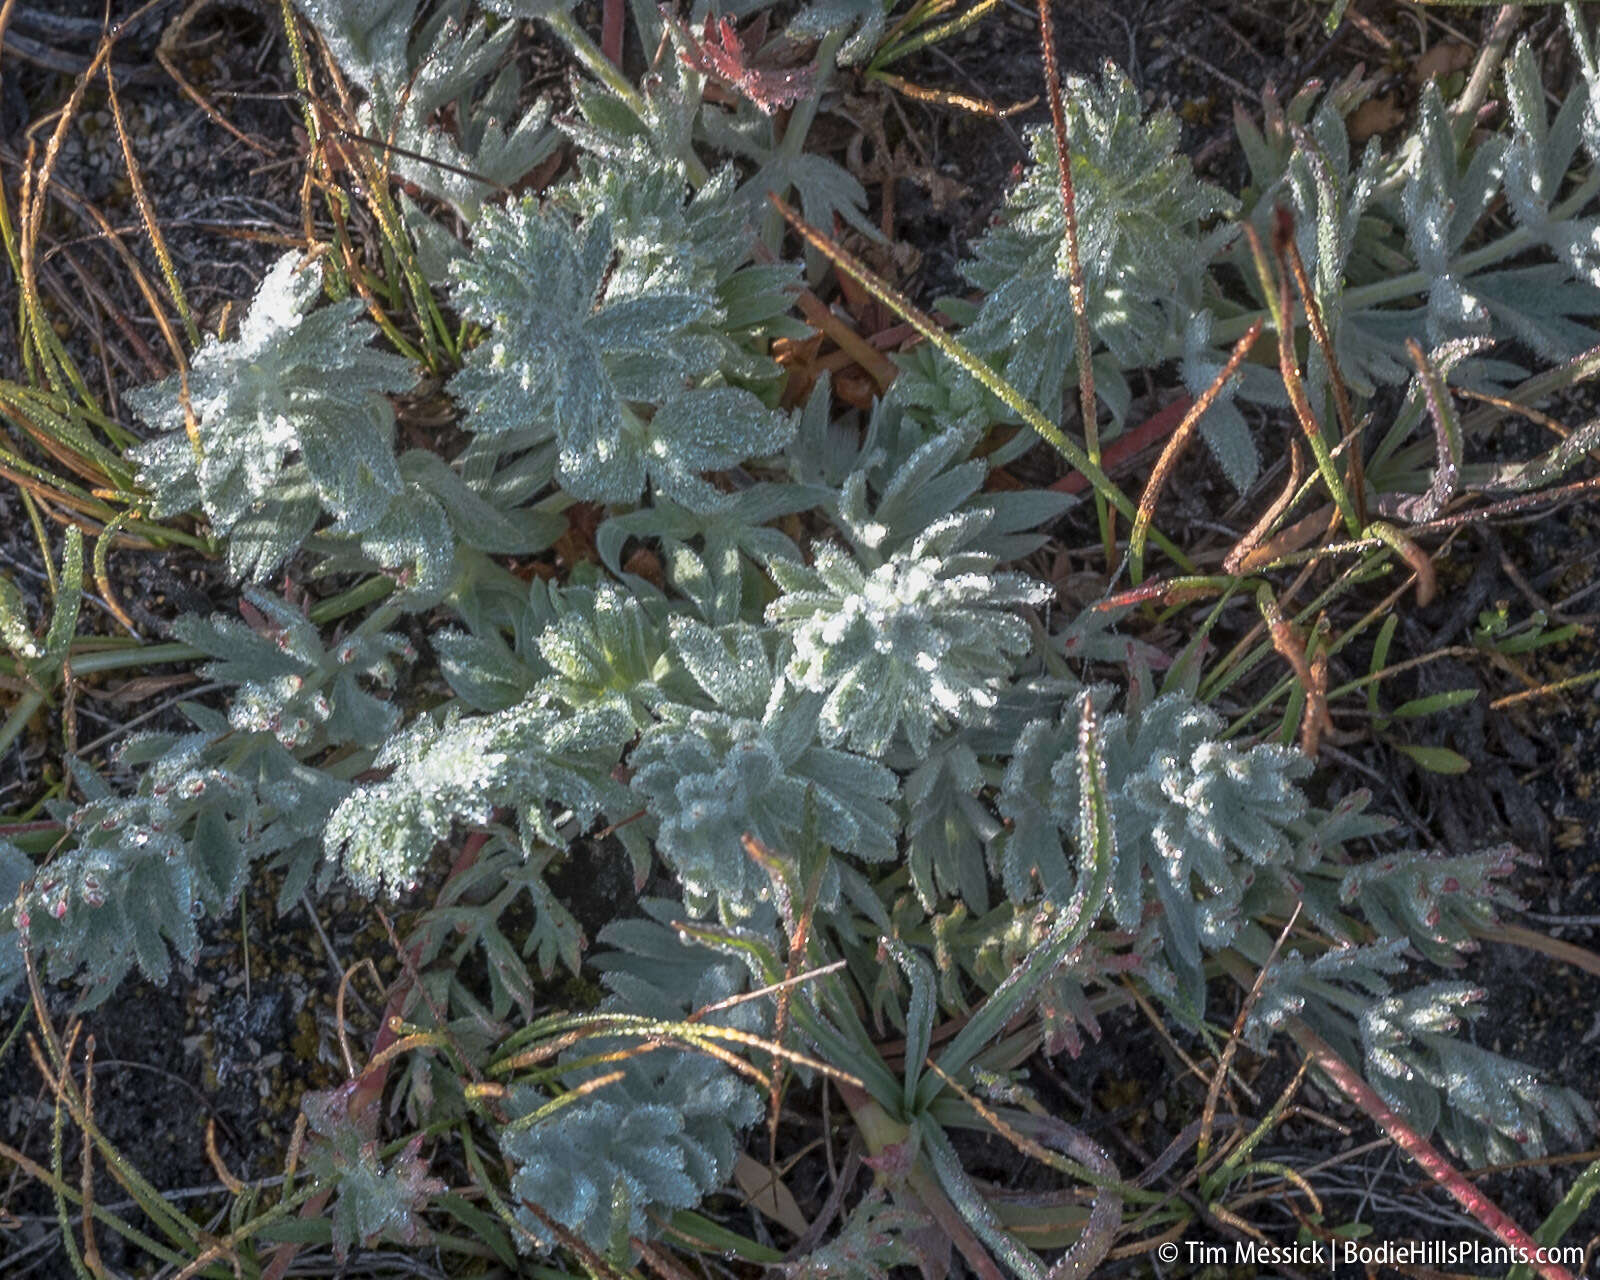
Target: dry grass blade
column 1315, row 720
column 1556, row 948
column 1208, row 1114
column 218, row 1166
column 1354, row 473
column 1178, row 442
column 949, row 98
column 1276, row 287
column 799, row 936
column 147, row 212
column 1105, row 1214
column 1420, row 561
column 1248, row 551
column 165, row 52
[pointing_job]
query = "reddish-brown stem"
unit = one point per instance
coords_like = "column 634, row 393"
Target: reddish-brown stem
column 1075, row 284
column 1421, row 1150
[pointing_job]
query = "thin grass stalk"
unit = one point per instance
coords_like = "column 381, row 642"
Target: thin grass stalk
column 951, row 348
column 1175, row 446
column 147, row 212
column 1276, row 288
column 1341, row 392
column 1088, row 405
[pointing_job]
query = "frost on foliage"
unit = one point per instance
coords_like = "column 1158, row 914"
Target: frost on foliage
column 1194, row 820
column 699, row 244
column 749, row 763
column 609, row 1164
column 15, row 869
column 910, row 646
column 545, row 762
column 862, row 20
column 1543, row 151
column 289, row 419
column 1439, row 904
column 451, row 71
column 1144, row 258
column 1494, row 1110
column 617, row 377
column 1487, row 1108
column 372, row 1200
column 290, row 683
column 873, row 1244
column 208, row 804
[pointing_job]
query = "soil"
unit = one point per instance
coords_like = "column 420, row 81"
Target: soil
column 234, row 1039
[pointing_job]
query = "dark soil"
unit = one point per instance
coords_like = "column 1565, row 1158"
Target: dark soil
column 235, row 1039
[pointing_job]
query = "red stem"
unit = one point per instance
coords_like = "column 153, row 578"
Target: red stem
column 1157, row 427
column 611, row 18
column 1419, row 1149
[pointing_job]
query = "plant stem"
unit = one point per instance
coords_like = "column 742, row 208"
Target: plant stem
column 602, row 69
column 1415, row 282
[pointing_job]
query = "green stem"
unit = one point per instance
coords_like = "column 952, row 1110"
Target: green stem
column 1415, row 282
column 602, row 69
column 798, row 126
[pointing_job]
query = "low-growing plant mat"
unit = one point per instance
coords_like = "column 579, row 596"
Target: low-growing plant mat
column 1435, row 656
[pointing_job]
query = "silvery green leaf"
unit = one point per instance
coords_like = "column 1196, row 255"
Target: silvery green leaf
column 296, row 398
column 913, row 646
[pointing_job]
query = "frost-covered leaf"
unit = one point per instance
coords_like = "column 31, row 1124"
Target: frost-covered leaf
column 913, row 645
column 373, row 1200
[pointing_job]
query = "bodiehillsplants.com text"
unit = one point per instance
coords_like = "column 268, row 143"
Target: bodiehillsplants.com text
column 1377, row 1253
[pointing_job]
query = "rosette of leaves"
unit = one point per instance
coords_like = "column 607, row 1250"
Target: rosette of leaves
column 745, row 759
column 286, row 420
column 623, row 380
column 546, row 762
column 909, row 646
column 1194, row 818
column 1142, row 250
column 662, row 1135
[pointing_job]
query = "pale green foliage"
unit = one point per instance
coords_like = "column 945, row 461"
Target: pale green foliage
column 748, row 766
column 1140, row 214
column 917, row 644
column 551, row 765
column 1194, row 819
column 412, row 83
column 31, row 651
column 374, row 1200
column 810, row 629
column 15, row 870
column 1487, row 1107
column 289, row 421
column 662, row 1137
column 206, row 805
column 602, row 361
column 1494, row 1110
